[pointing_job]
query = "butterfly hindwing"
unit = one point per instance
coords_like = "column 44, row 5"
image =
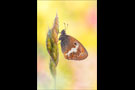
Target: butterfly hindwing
column 72, row 48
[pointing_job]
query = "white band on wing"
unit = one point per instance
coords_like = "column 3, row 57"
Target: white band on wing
column 73, row 50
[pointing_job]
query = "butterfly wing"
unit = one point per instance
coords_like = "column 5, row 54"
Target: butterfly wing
column 72, row 48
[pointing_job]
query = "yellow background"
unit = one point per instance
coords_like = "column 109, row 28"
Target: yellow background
column 81, row 17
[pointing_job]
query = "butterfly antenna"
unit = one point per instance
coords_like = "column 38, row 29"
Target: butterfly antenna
column 65, row 26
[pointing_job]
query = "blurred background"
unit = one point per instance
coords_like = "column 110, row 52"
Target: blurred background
column 81, row 17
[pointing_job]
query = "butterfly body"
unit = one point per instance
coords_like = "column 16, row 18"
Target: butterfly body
column 72, row 48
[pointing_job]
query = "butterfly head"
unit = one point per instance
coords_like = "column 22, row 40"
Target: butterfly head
column 63, row 32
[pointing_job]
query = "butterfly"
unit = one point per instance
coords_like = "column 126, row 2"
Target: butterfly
column 72, row 48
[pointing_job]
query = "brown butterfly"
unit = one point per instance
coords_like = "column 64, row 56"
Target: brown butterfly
column 72, row 48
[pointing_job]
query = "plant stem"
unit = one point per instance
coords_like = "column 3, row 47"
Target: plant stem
column 55, row 82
